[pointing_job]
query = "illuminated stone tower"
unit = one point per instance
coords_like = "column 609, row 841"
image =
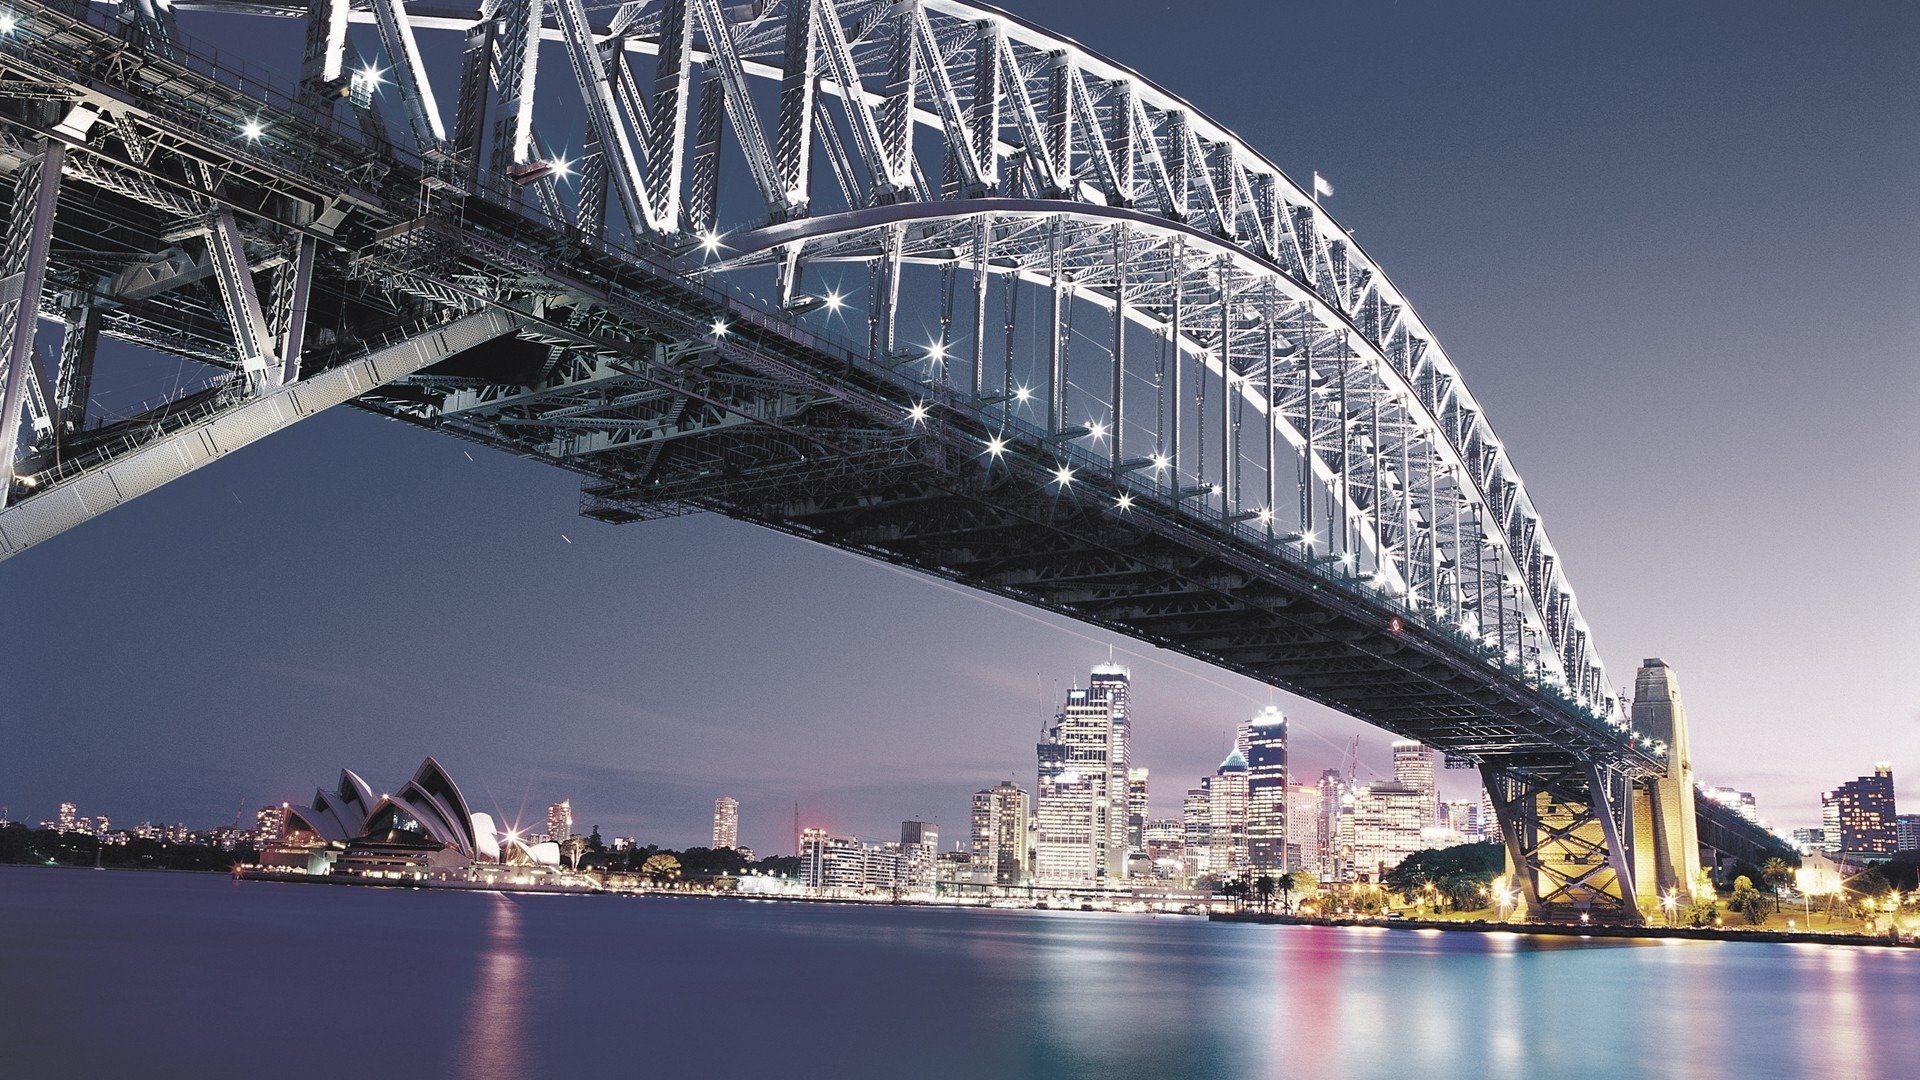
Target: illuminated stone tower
column 1666, row 844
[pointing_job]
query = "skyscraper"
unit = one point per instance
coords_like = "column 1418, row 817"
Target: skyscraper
column 1136, row 809
column 1303, row 843
column 1227, row 818
column 1462, row 817
column 999, row 834
column 560, row 821
column 1196, row 827
column 1267, row 792
column 1081, row 804
column 1413, row 768
column 1326, row 826
column 726, row 822
column 1386, row 826
column 1865, row 810
column 1906, row 832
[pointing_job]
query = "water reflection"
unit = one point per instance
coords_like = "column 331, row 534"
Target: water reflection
column 495, row 1044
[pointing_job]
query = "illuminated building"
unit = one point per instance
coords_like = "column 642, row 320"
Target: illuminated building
column 999, row 835
column 1227, row 818
column 1081, row 800
column 560, row 821
column 68, row 819
column 1387, row 826
column 1164, row 841
column 726, row 822
column 1196, row 828
column 1326, row 827
column 919, row 851
column 1741, row 802
column 1906, row 832
column 1863, row 810
column 1266, row 755
column 1136, row 809
column 269, row 824
column 1303, row 811
column 1463, row 817
column 1808, row 841
column 1413, row 768
column 837, row 865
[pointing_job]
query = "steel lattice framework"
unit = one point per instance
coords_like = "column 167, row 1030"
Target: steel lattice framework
column 1114, row 362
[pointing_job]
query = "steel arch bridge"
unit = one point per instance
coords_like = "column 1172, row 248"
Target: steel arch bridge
column 914, row 278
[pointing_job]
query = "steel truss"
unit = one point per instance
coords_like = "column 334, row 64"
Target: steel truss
column 1115, row 362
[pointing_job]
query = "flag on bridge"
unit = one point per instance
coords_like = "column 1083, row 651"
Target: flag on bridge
column 1321, row 189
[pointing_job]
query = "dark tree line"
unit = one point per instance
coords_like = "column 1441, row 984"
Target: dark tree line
column 50, row 847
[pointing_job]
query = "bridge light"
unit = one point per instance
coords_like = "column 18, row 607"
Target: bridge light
column 1124, row 502
column 709, row 241
column 918, row 414
column 1096, row 431
column 368, row 76
column 1161, row 463
column 1063, row 476
column 7, row 23
column 936, row 351
column 1265, row 516
column 562, row 168
column 996, row 446
column 252, row 130
column 834, row 301
column 719, row 328
column 1023, row 394
column 1306, row 540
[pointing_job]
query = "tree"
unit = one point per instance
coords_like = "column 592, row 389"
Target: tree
column 1777, row 875
column 1235, row 890
column 1748, row 901
column 1300, row 881
column 660, row 868
column 573, row 847
column 1264, row 887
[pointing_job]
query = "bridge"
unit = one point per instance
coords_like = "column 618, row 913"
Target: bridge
column 913, row 278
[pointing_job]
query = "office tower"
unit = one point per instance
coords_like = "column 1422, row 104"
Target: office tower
column 270, row 824
column 919, row 852
column 1165, row 843
column 1326, row 826
column 560, row 821
column 1227, row 818
column 1808, row 841
column 1906, row 832
column 1081, row 803
column 68, row 821
column 999, row 840
column 1196, row 827
column 1386, row 826
column 1303, row 843
column 1829, row 823
column 1136, row 809
column 726, row 822
column 1462, row 816
column 1865, row 814
column 1413, row 768
column 1266, row 756
column 831, row 863
column 1110, row 684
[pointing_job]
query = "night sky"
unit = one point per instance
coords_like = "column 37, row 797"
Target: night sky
column 1674, row 248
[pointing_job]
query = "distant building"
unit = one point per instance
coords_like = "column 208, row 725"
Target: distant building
column 842, row 865
column 1196, row 828
column 1808, row 841
column 1165, row 844
column 999, row 822
column 1081, row 803
column 1326, row 826
column 1227, row 818
column 68, row 819
column 1463, row 817
column 1303, row 811
column 560, row 821
column 1413, row 769
column 1741, row 802
column 1386, row 826
column 269, row 824
column 1863, row 811
column 726, row 822
column 1267, row 792
column 1906, row 832
column 1136, row 809
column 919, row 852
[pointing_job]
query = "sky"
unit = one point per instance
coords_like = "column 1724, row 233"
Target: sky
column 1673, row 248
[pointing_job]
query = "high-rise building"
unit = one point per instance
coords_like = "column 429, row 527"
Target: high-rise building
column 1808, row 841
column 1196, row 828
column 1136, row 809
column 726, row 822
column 1303, row 844
column 1266, row 755
column 1166, row 846
column 1326, row 826
column 919, row 854
column 68, row 821
column 1386, row 826
column 560, row 821
column 1906, row 832
column 1413, row 769
column 1227, row 818
column 1865, row 813
column 1829, row 824
column 1463, row 817
column 999, row 834
column 1082, row 801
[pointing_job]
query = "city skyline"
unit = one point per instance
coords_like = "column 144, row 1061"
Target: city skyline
column 1496, row 204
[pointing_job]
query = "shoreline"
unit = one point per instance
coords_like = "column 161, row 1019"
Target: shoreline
column 1688, row 933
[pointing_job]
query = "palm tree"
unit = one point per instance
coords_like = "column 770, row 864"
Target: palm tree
column 1776, row 874
column 1264, row 888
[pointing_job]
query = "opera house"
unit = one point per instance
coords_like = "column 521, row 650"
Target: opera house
column 425, row 829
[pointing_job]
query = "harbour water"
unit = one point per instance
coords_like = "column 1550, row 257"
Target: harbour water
column 152, row 974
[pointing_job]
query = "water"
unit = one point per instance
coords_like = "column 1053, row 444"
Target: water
column 120, row 974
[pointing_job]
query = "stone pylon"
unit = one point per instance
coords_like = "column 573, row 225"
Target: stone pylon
column 1666, row 834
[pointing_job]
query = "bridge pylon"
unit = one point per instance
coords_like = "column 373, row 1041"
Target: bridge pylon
column 1566, row 826
column 1666, row 829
